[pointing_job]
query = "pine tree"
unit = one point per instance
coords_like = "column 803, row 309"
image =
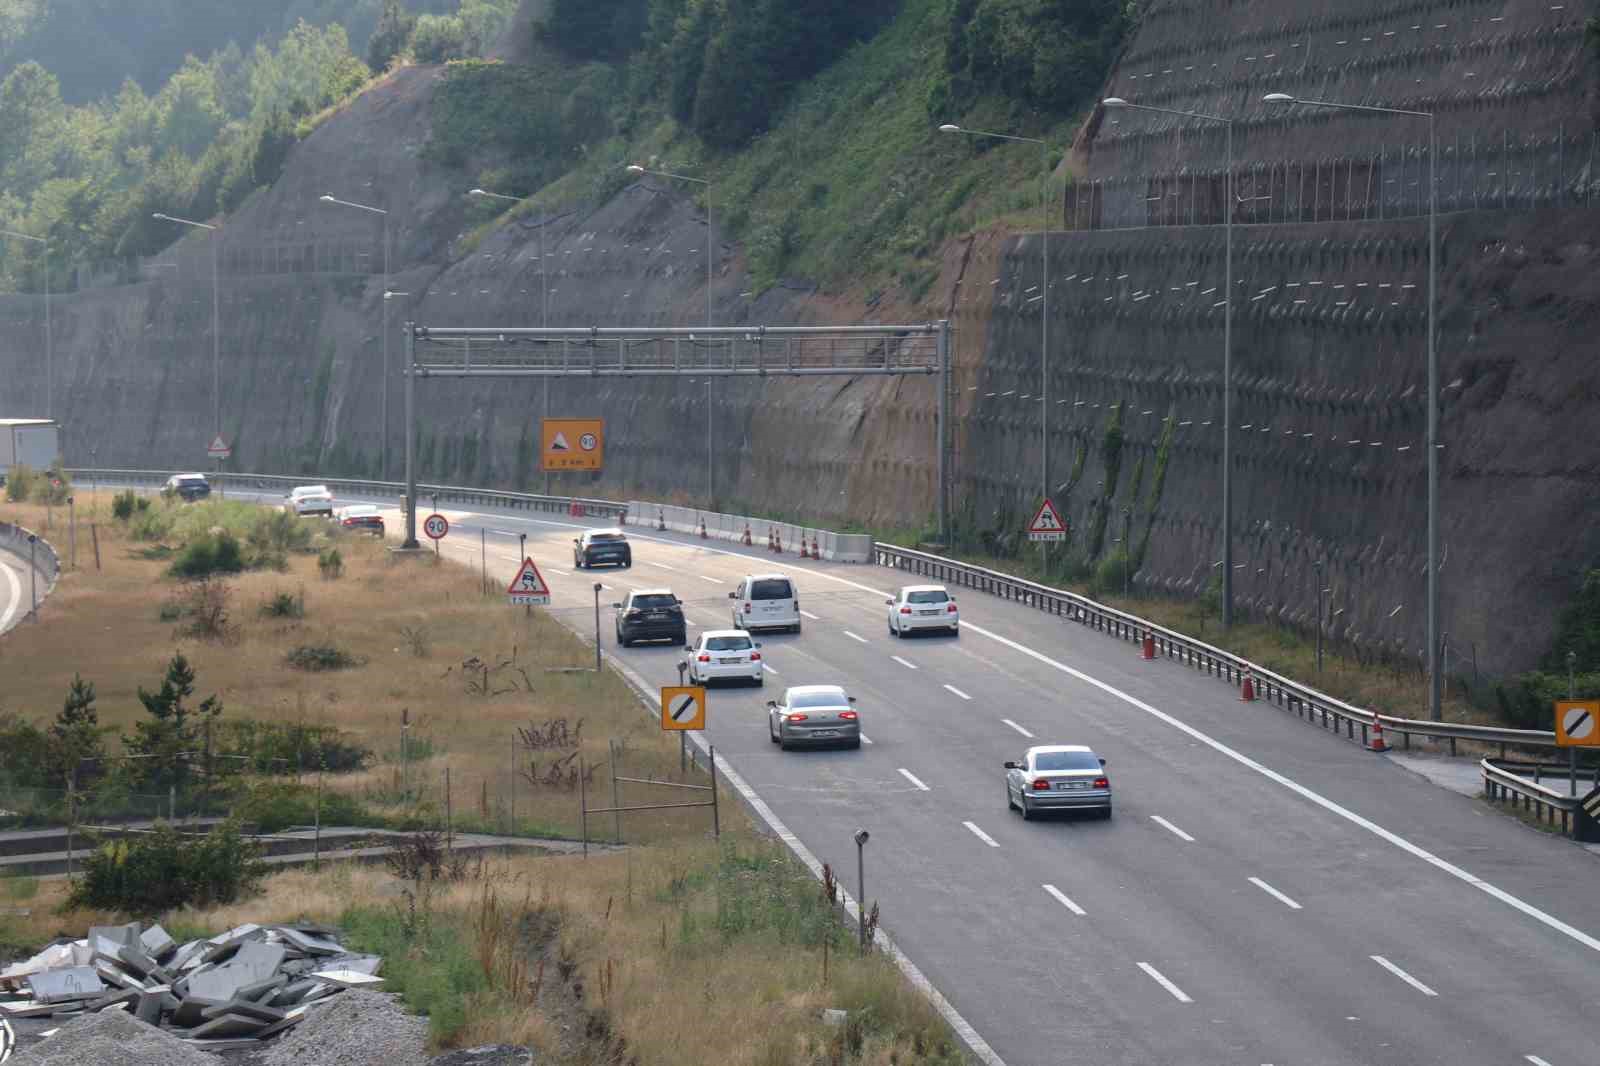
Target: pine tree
column 174, row 727
column 75, row 736
column 393, row 34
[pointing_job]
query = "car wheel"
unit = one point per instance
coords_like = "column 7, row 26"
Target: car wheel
column 796, row 629
column 955, row 631
column 761, row 682
column 1106, row 813
column 893, row 632
column 855, row 745
column 1027, row 811
column 624, row 641
column 770, row 734
column 1011, row 804
column 783, row 742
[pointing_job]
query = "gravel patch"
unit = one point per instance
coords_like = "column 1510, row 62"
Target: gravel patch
column 355, row 1028
column 489, row 1055
column 111, row 1038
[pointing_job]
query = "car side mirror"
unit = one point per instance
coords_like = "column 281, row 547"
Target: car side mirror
column 733, row 595
column 758, row 645
column 1011, row 765
column 889, row 602
column 575, row 540
column 617, row 605
column 772, row 704
column 687, row 647
column 1102, row 763
column 852, row 699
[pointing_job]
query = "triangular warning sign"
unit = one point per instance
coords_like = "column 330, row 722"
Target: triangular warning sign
column 560, row 443
column 1047, row 524
column 218, row 444
column 528, row 582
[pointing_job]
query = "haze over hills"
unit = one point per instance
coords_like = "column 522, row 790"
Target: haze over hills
column 837, row 201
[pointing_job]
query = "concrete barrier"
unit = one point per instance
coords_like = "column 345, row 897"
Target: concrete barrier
column 838, row 547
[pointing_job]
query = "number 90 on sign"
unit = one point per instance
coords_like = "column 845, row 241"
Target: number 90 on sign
column 435, row 526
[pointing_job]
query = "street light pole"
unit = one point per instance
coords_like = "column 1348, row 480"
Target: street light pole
column 710, row 244
column 1435, row 679
column 1044, row 324
column 1317, row 568
column 216, row 317
column 383, row 446
column 49, row 339
column 1117, row 102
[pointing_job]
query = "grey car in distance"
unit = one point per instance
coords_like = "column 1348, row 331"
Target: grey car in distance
column 1058, row 777
column 813, row 714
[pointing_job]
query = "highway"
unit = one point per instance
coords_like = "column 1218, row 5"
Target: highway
column 14, row 590
column 1265, row 894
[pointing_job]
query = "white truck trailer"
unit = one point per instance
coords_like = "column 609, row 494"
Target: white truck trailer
column 30, row 442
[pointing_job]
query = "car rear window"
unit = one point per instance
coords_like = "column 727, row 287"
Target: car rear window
column 1065, row 760
column 771, row 589
column 727, row 643
column 655, row 601
column 818, row 699
column 596, row 538
column 938, row 596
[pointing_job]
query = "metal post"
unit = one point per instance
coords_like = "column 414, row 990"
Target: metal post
column 1044, row 343
column 1572, row 752
column 616, row 803
column 711, row 466
column 316, row 847
column 514, row 760
column 72, row 533
column 449, row 815
column 411, row 437
column 1127, row 550
column 33, row 578
column 1317, row 568
column 49, row 344
column 544, row 320
column 861, row 884
column 716, row 812
column 942, row 431
column 1227, row 397
column 216, row 337
column 483, row 562
column 583, row 804
column 597, row 627
column 1435, row 711
column 388, row 371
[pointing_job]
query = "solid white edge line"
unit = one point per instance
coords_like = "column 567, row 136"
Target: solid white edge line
column 1161, row 979
column 1017, row 727
column 854, row 637
column 649, row 699
column 811, row 616
column 902, row 662
column 1064, row 901
column 865, row 739
column 1398, row 972
column 713, row 580
column 958, row 692
column 981, row 835
column 1536, row 1060
column 1275, row 894
column 1169, row 827
column 914, row 779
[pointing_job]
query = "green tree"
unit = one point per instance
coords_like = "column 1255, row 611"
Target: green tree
column 75, row 735
column 394, row 31
column 173, row 728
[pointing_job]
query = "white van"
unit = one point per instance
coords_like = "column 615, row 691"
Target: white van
column 766, row 601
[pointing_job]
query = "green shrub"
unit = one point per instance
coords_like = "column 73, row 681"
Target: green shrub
column 122, row 505
column 331, row 563
column 276, row 533
column 283, row 605
column 319, row 657
column 1109, row 574
column 273, row 806
column 21, row 483
column 288, row 747
column 163, row 869
column 212, row 553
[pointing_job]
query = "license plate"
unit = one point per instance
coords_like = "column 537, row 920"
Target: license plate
column 1065, row 785
column 824, row 732
column 725, row 662
column 927, row 612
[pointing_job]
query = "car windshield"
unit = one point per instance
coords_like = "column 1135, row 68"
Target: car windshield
column 935, row 596
column 655, row 600
column 1065, row 760
column 770, row 589
column 727, row 643
column 314, row 490
column 600, row 538
column 190, row 479
column 827, row 698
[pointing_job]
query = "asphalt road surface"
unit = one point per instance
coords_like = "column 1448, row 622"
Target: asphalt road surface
column 1265, row 893
column 14, row 590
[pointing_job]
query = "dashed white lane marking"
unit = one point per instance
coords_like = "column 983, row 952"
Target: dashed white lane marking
column 958, row 692
column 1407, row 978
column 661, row 566
column 769, row 669
column 713, row 580
column 981, row 835
column 902, row 662
column 1017, row 727
column 865, row 739
column 1163, row 823
column 852, row 636
column 1275, row 894
column 1536, row 1060
column 1061, row 897
column 811, row 616
column 1160, row 979
column 563, row 573
column 914, row 779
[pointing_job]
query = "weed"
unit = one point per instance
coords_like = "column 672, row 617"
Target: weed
column 210, row 553
column 206, row 604
column 284, row 605
column 416, row 638
column 331, row 564
column 320, row 657
column 161, row 869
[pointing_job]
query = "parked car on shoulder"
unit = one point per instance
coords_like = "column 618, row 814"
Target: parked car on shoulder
column 1058, row 777
column 188, row 487
column 601, row 547
column 766, row 601
column 919, row 607
column 725, row 655
column 814, row 714
column 650, row 614
column 309, row 500
column 361, row 517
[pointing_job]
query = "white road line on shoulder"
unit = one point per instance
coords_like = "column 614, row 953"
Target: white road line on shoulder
column 16, row 596
column 852, row 636
column 902, row 662
column 1017, row 727
column 914, row 779
column 769, row 669
column 1407, row 978
column 713, row 580
column 1160, row 979
column 981, row 835
column 1064, row 901
column 1163, row 823
column 1275, row 894
column 958, row 692
column 1536, row 1060
column 811, row 616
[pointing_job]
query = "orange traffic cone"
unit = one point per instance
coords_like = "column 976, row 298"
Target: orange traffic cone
column 661, row 520
column 1247, row 691
column 747, row 533
column 703, row 533
column 1377, row 743
column 1149, row 647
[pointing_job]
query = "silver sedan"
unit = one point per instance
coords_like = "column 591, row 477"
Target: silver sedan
column 813, row 714
column 1058, row 777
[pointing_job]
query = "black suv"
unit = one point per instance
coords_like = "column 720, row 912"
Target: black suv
column 652, row 614
column 601, row 546
column 189, row 487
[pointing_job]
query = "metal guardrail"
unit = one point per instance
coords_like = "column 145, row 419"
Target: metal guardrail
column 1302, row 700
column 517, row 501
column 1507, row 782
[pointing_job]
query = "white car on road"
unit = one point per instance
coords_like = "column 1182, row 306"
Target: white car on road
column 309, row 499
column 766, row 601
column 725, row 655
column 918, row 607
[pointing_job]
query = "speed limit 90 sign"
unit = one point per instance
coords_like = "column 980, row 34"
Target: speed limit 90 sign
column 436, row 526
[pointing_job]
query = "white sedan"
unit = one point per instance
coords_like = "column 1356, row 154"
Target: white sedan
column 309, row 499
column 919, row 607
column 725, row 655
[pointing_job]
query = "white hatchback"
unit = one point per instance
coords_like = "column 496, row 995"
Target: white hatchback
column 725, row 655
column 766, row 601
column 918, row 607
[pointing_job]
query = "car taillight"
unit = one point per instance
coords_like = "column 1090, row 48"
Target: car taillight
column 848, row 716
column 704, row 659
column 1102, row 782
column 905, row 610
column 747, row 608
column 794, row 718
column 1041, row 785
column 951, row 609
column 755, row 656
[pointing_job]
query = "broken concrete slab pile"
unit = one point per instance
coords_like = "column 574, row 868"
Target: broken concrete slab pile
column 233, row 991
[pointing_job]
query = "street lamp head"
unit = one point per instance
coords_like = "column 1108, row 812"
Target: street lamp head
column 1113, row 102
column 949, row 127
column 476, row 192
column 862, row 836
column 326, row 198
column 159, row 216
column 1278, row 98
column 635, row 168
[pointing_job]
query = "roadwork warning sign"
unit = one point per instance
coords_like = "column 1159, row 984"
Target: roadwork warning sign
column 528, row 588
column 572, row 444
column 1047, row 524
